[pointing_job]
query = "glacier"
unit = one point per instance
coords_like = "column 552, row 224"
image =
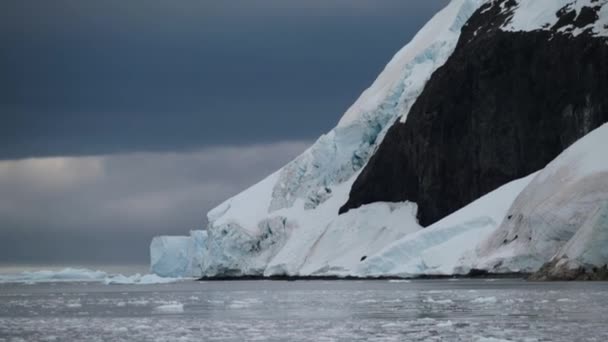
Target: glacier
column 178, row 256
column 288, row 223
column 273, row 227
column 449, row 246
column 560, row 215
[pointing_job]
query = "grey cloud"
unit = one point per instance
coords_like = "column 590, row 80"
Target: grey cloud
column 95, row 209
column 140, row 98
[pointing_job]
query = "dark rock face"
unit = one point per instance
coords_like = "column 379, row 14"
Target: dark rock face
column 503, row 106
column 551, row 271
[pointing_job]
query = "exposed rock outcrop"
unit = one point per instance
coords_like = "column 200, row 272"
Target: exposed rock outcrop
column 554, row 271
column 504, row 105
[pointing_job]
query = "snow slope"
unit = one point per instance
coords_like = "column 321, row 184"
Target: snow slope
column 561, row 214
column 448, row 246
column 271, row 227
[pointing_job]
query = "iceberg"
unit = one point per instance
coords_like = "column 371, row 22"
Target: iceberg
column 138, row 279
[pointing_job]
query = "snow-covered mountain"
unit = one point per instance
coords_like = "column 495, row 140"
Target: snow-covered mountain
column 486, row 94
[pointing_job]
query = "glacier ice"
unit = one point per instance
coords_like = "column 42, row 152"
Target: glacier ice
column 178, row 256
column 448, row 246
column 268, row 228
column 334, row 249
column 560, row 214
column 288, row 223
column 587, row 248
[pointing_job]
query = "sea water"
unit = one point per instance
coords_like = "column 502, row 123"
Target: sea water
column 378, row 310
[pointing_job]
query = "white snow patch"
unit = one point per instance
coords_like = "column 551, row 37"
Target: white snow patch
column 532, row 15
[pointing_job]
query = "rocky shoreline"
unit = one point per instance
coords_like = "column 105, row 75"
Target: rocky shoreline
column 547, row 273
column 553, row 271
column 473, row 274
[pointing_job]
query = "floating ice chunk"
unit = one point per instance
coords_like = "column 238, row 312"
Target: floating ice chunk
column 445, row 324
column 438, row 301
column 138, row 279
column 484, row 300
column 74, row 305
column 565, row 300
column 171, row 308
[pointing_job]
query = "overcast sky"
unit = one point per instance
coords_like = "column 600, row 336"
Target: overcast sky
column 126, row 119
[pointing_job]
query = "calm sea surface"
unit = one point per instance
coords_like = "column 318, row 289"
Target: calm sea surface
column 420, row 310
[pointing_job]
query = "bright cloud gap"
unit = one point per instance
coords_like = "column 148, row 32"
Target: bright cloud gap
column 89, row 204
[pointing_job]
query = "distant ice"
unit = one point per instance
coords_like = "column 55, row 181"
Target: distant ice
column 47, row 276
column 138, row 279
column 82, row 275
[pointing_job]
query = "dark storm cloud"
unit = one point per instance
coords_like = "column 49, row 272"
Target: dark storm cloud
column 97, row 77
column 107, row 208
